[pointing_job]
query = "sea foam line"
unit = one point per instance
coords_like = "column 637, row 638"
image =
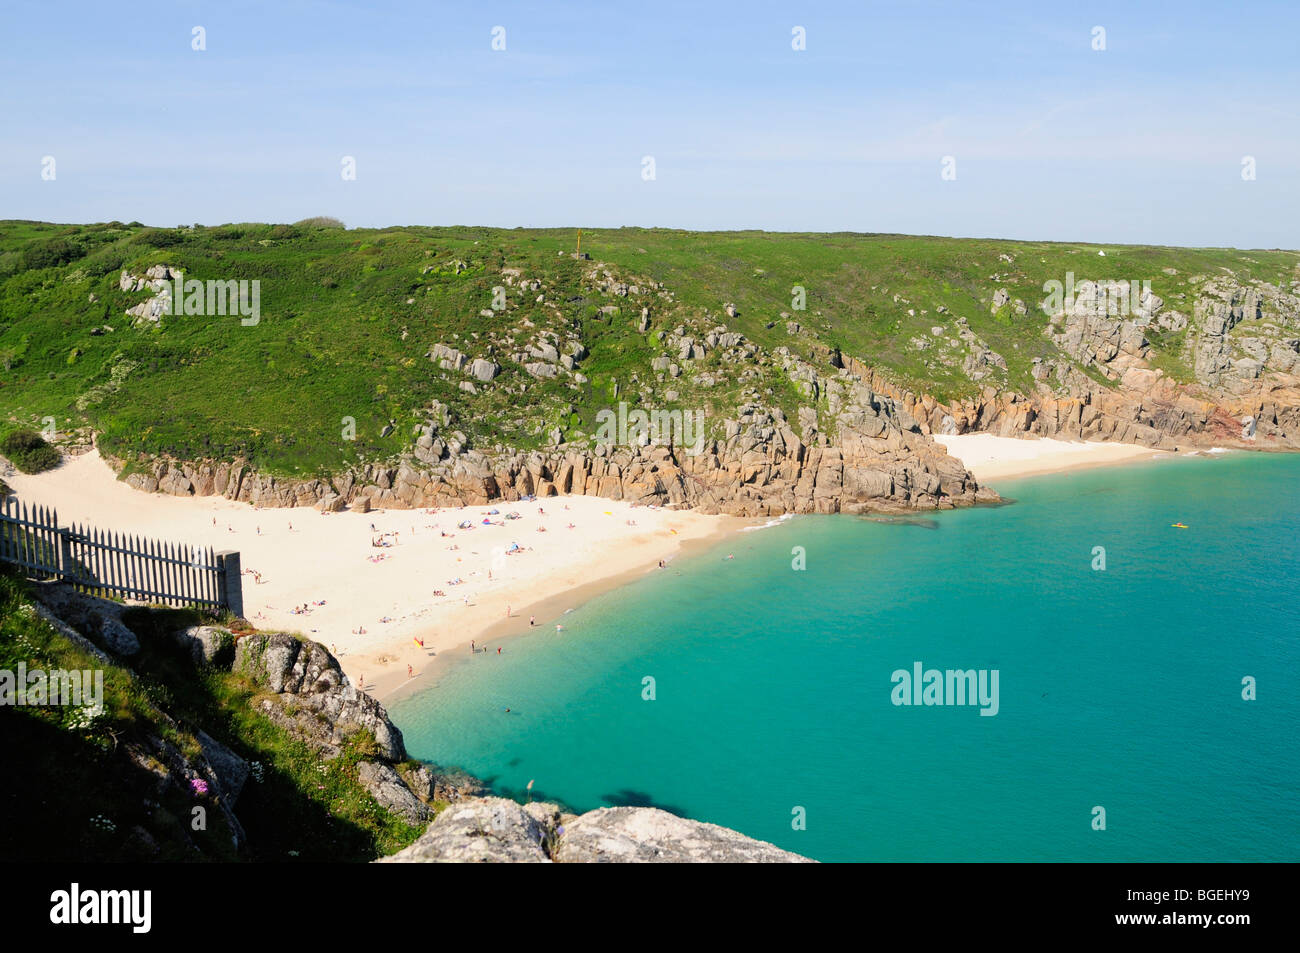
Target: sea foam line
column 776, row 522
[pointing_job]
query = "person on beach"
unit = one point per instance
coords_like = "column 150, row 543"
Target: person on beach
column 410, row 672
column 498, row 650
column 472, row 649
column 532, row 620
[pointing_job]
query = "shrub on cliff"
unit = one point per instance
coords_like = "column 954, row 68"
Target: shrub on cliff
column 158, row 237
column 51, row 253
column 321, row 221
column 29, row 452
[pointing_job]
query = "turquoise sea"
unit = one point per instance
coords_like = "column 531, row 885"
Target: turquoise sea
column 1118, row 688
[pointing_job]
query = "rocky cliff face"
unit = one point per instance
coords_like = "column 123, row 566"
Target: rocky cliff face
column 311, row 697
column 851, row 450
column 303, row 690
column 494, row 830
column 96, row 626
column 763, row 467
column 1242, row 344
column 859, row 441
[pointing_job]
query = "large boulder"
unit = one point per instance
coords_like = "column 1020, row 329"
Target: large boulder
column 540, row 369
column 649, row 835
column 203, row 641
column 496, row 830
column 231, row 770
column 100, row 620
column 484, row 370
column 387, row 787
column 482, row 830
column 447, row 357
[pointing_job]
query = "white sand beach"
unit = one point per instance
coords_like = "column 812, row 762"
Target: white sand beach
column 431, row 583
column 992, row 458
column 434, row 581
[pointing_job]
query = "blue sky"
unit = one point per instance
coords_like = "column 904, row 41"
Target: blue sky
column 1141, row 142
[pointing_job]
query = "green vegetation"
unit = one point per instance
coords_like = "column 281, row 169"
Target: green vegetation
column 349, row 315
column 84, row 786
column 318, row 221
column 29, row 452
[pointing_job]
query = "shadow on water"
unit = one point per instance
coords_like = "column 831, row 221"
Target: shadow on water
column 492, row 786
column 626, row 797
column 919, row 521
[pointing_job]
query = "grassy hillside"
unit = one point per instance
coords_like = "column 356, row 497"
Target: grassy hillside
column 90, row 785
column 348, row 317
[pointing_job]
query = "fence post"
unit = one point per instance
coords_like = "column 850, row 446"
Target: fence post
column 230, row 582
column 63, row 568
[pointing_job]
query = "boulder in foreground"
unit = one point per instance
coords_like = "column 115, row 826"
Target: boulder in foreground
column 496, row 830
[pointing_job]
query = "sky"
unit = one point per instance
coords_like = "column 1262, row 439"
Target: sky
column 1050, row 138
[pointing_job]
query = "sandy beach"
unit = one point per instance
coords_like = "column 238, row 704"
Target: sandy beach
column 992, row 458
column 433, row 581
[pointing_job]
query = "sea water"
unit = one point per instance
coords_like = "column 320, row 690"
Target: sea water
column 1146, row 679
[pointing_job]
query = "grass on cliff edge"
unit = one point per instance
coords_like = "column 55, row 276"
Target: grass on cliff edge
column 70, row 792
column 347, row 316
